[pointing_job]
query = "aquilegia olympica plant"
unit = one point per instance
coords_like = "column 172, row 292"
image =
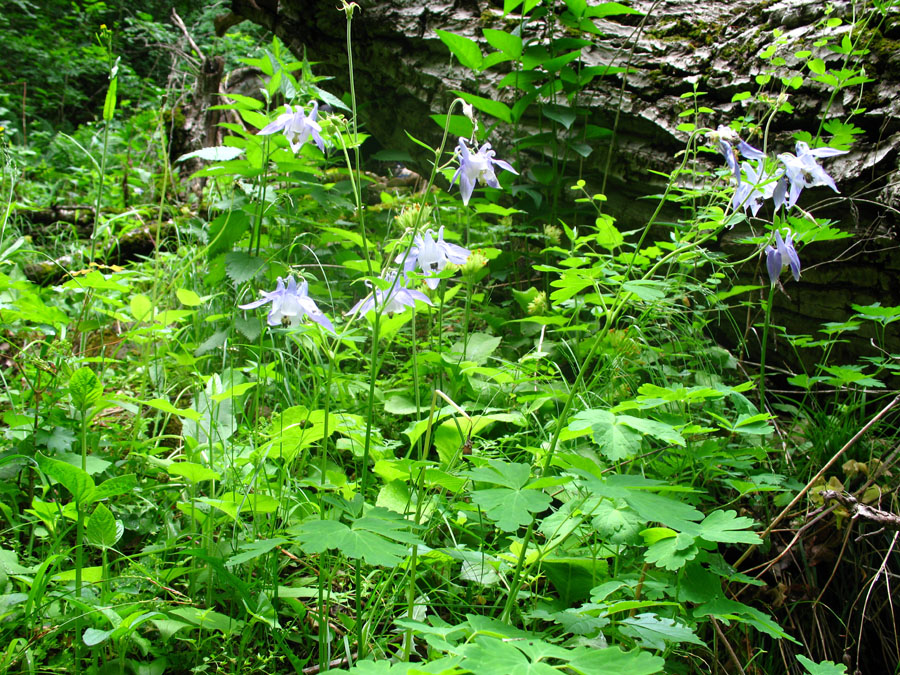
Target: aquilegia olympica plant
column 398, row 300
column 802, row 171
column 297, row 127
column 782, row 255
column 475, row 167
column 290, row 304
column 432, row 255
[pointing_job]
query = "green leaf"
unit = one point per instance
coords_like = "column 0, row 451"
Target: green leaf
column 118, row 485
column 506, row 42
column 609, row 9
column 661, row 430
column 219, row 153
column 109, row 104
column 372, row 538
column 495, row 108
column 209, row 619
column 565, row 116
column 226, row 230
column 460, row 125
column 76, row 481
column 492, row 655
column 726, row 527
column 103, row 530
column 241, row 267
column 614, row 661
column 465, row 49
column 654, row 631
column 616, row 441
column 140, row 307
column 166, row 407
column 510, row 508
column 193, row 473
column 616, row 522
column 477, row 348
column 673, row 552
column 822, row 668
column 84, row 388
column 254, row 550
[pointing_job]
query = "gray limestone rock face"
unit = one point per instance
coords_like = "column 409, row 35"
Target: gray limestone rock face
column 404, row 74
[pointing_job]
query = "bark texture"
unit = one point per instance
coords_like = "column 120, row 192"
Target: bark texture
column 404, row 73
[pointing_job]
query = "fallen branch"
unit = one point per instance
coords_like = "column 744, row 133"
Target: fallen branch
column 857, row 509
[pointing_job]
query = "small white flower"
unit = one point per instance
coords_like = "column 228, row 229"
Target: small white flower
column 476, row 168
column 290, row 304
column 297, row 127
column 432, row 255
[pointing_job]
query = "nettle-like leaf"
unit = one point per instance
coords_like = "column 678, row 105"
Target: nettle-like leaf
column 73, row 478
column 381, row 537
column 84, row 388
column 614, row 661
column 655, row 631
column 513, row 505
column 103, row 530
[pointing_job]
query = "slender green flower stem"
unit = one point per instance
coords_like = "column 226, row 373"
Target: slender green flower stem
column 612, row 315
column 762, row 352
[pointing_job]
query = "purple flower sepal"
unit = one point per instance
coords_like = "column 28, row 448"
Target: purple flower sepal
column 290, row 303
column 803, row 171
column 476, row 167
column 395, row 299
column 297, row 127
column 432, row 254
column 782, row 255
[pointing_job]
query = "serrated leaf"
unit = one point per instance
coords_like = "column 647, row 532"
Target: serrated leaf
column 226, row 230
column 117, row 485
column 672, row 553
column 193, row 473
column 241, row 267
column 616, row 522
column 510, row 508
column 356, row 542
column 84, row 388
column 655, row 631
column 103, row 530
column 726, row 527
column 79, row 484
column 614, row 661
column 821, row 668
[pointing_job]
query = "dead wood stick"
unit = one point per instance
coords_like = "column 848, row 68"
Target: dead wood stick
column 815, row 478
column 178, row 22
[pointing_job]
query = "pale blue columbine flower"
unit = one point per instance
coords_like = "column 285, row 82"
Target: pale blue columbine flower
column 290, row 303
column 395, row 299
column 803, row 171
column 725, row 139
column 297, row 127
column 432, row 255
column 475, row 167
column 782, row 255
column 757, row 185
